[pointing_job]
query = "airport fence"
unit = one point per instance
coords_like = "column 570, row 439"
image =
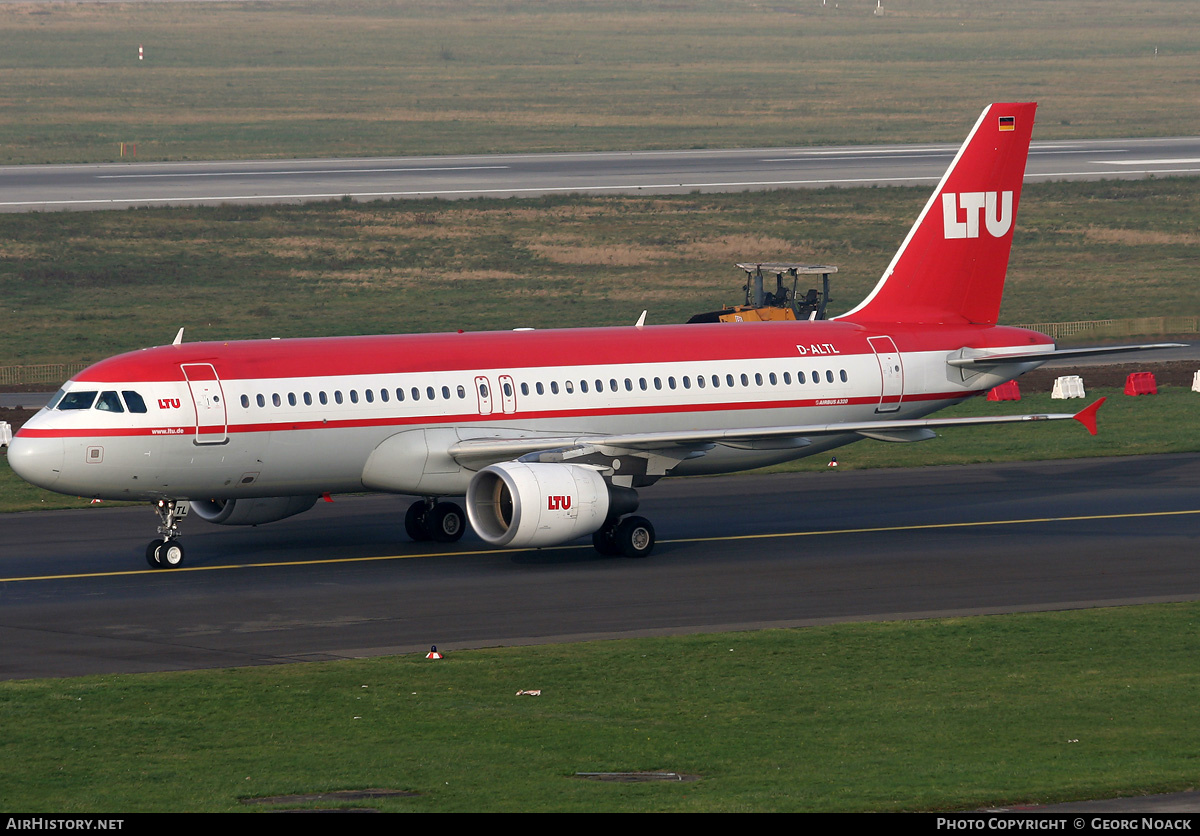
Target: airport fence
column 52, row 373
column 1143, row 326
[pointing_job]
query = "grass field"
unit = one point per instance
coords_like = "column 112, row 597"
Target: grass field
column 317, row 79
column 92, row 284
column 924, row 715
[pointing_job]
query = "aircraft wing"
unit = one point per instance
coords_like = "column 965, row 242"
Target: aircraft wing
column 979, row 360
column 678, row 445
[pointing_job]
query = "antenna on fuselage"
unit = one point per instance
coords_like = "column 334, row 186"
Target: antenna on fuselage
column 178, row 338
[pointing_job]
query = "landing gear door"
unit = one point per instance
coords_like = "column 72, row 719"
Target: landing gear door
column 212, row 424
column 891, row 370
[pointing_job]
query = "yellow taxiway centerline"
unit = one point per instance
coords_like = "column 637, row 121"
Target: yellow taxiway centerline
column 822, row 533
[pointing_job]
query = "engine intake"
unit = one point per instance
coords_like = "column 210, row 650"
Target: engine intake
column 523, row 504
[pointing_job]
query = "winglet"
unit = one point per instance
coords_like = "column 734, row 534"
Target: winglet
column 1087, row 415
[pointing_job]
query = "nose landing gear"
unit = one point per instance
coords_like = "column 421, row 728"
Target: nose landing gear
column 167, row 552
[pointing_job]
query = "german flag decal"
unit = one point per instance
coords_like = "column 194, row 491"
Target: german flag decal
column 1008, row 123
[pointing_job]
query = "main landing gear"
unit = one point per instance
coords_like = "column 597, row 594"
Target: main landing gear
column 631, row 537
column 428, row 519
column 166, row 552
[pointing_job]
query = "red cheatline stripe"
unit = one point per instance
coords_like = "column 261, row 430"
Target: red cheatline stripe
column 284, row 424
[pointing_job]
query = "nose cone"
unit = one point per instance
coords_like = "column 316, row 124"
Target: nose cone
column 39, row 461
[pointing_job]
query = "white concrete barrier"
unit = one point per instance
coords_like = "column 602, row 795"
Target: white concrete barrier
column 1069, row 386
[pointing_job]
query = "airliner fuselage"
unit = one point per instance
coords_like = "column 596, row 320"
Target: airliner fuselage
column 549, row 434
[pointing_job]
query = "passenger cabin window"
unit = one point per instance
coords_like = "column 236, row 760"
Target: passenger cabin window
column 77, row 400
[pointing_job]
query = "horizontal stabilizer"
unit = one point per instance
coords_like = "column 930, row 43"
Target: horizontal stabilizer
column 982, row 360
column 1087, row 415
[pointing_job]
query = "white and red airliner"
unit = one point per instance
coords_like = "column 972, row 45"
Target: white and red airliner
column 549, row 434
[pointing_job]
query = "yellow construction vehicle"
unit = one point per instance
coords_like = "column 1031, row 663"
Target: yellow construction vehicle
column 781, row 304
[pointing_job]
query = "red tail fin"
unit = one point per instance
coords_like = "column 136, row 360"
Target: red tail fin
column 951, row 267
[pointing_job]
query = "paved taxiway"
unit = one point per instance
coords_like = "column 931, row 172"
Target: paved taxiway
column 118, row 185
column 735, row 552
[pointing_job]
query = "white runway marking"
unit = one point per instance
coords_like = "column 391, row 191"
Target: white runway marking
column 1146, row 162
column 632, row 187
column 300, row 172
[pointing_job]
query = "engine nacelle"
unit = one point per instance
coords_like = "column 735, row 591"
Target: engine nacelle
column 251, row 511
column 520, row 504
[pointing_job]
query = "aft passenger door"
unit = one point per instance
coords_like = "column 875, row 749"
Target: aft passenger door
column 212, row 424
column 891, row 370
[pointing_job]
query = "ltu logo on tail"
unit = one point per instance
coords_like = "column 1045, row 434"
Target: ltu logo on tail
column 969, row 206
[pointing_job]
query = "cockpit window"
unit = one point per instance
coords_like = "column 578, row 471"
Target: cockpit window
column 109, row 402
column 134, row 401
column 58, row 396
column 77, row 400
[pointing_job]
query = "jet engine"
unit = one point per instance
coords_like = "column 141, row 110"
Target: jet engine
column 521, row 504
column 251, row 511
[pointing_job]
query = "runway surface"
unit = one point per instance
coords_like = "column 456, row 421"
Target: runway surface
column 737, row 552
column 120, row 185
